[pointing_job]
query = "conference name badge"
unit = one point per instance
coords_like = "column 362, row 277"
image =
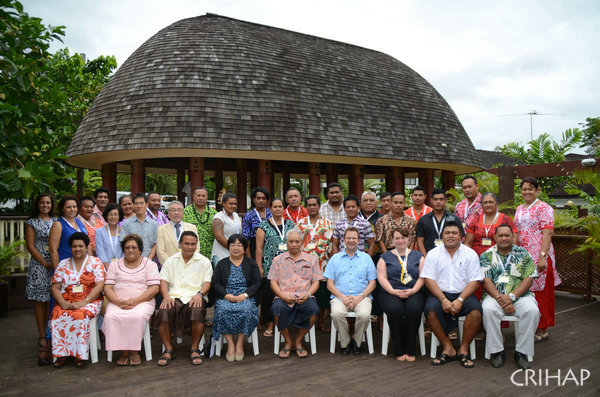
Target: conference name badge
column 503, row 279
column 283, row 247
column 407, row 279
column 78, row 289
column 486, row 241
column 438, row 242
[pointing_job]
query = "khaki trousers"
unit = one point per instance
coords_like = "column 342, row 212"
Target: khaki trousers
column 363, row 316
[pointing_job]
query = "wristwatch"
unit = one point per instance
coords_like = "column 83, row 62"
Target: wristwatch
column 461, row 299
column 246, row 295
column 543, row 253
column 512, row 297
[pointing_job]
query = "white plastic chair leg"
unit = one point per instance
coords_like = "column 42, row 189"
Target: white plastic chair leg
column 309, row 337
column 94, row 339
column 461, row 324
column 147, row 345
column 368, row 335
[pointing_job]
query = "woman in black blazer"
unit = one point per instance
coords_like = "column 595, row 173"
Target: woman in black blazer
column 235, row 281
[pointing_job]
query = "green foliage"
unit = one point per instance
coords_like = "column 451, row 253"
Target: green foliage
column 161, row 183
column 8, row 253
column 591, row 136
column 43, row 98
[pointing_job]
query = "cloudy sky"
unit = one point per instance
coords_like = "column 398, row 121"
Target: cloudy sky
column 486, row 58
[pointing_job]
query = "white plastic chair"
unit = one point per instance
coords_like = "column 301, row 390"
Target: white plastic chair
column 180, row 341
column 435, row 342
column 147, row 346
column 385, row 337
column 515, row 321
column 310, row 336
column 94, row 340
column 251, row 339
column 368, row 334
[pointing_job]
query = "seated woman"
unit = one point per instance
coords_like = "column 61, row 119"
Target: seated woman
column 76, row 287
column 401, row 297
column 131, row 284
column 235, row 281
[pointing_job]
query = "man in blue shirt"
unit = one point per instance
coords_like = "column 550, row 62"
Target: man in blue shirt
column 350, row 278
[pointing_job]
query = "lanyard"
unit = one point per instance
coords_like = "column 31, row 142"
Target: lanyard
column 86, row 222
column 260, row 218
column 280, row 232
column 525, row 210
column 113, row 239
column 487, row 229
column 313, row 231
column 76, row 225
column 290, row 216
column 468, row 207
column 504, row 265
column 362, row 215
column 438, row 230
column 402, row 263
column 80, row 272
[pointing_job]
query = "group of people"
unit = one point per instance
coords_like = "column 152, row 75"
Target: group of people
column 298, row 263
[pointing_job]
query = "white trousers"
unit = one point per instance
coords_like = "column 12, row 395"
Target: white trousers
column 529, row 315
column 363, row 316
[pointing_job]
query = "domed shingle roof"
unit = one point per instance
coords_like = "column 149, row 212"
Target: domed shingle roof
column 213, row 86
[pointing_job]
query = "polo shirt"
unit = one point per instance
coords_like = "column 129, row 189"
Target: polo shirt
column 350, row 274
column 426, row 229
column 452, row 274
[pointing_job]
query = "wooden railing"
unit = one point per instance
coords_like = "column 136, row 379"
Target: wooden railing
column 12, row 228
column 579, row 274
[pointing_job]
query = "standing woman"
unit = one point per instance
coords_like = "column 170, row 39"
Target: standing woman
column 535, row 221
column 107, row 237
column 39, row 273
column 60, row 231
column 126, row 203
column 225, row 224
column 260, row 212
column 270, row 242
column 91, row 223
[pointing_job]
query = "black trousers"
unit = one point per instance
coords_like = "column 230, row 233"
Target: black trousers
column 266, row 302
column 404, row 318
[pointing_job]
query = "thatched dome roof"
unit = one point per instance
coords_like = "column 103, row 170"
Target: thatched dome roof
column 213, row 86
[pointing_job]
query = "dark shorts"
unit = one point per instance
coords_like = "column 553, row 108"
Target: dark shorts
column 448, row 321
column 180, row 315
column 297, row 316
column 323, row 296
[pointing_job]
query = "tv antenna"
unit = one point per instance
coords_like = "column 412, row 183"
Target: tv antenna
column 531, row 114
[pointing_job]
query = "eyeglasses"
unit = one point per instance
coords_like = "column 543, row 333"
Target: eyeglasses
column 175, row 209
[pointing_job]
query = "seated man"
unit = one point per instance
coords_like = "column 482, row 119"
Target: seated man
column 184, row 282
column 294, row 279
column 452, row 274
column 351, row 276
column 508, row 272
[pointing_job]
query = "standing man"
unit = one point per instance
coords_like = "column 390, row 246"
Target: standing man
column 469, row 208
column 294, row 211
column 142, row 225
column 295, row 277
column 167, row 236
column 368, row 208
column 201, row 215
column 508, row 272
column 452, row 273
column 386, row 203
column 429, row 227
column 365, row 230
column 351, row 278
column 384, row 228
column 333, row 209
column 154, row 211
column 184, row 284
column 419, row 208
column 317, row 232
column 101, row 198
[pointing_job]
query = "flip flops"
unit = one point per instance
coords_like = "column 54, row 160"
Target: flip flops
column 286, row 353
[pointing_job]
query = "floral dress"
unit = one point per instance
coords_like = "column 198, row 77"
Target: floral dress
column 37, row 287
column 317, row 238
column 272, row 241
column 70, row 328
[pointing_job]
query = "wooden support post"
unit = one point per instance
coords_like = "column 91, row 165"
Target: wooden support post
column 180, row 184
column 196, row 173
column 314, row 178
column 358, row 179
column 264, row 175
column 138, row 177
column 448, row 180
column 506, row 184
column 109, row 180
column 426, row 180
column 285, row 178
column 218, row 182
column 394, row 179
column 241, row 180
column 331, row 174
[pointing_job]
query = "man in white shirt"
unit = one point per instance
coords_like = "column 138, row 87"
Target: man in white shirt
column 184, row 283
column 452, row 273
column 167, row 236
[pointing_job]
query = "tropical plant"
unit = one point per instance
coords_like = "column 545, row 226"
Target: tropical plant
column 591, row 136
column 8, row 254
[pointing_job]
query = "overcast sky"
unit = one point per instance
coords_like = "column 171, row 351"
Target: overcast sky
column 485, row 58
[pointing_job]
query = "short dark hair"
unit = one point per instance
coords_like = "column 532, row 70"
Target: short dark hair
column 492, row 195
column 351, row 229
column 277, row 199
column 313, row 197
column 124, row 197
column 200, row 188
column 531, row 180
column 228, row 196
column 332, row 185
column 150, row 193
column 63, row 201
column 402, row 230
column 188, row 233
column 135, row 237
column 79, row 236
column 101, row 190
column 504, row 225
column 35, row 210
column 293, row 188
column 140, row 195
column 469, row 177
column 398, row 194
column 237, row 237
column 112, row 206
column 451, row 221
column 437, row 191
column 351, row 197
column 87, row 198
column 384, row 195
column 259, row 189
column 419, row 188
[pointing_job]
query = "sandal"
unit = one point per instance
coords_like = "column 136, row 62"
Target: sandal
column 541, row 338
column 41, row 338
column 208, row 323
column 80, row 363
column 301, row 352
column 268, row 333
column 443, row 359
column 285, row 353
column 135, row 360
column 464, row 359
column 325, row 329
column 166, row 360
column 196, row 360
column 401, row 358
column 60, row 361
column 123, row 361
column 410, row 359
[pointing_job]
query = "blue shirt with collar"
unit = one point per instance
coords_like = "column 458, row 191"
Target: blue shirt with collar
column 350, row 275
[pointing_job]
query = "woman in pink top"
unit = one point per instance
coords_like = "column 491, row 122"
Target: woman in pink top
column 535, row 222
column 130, row 287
